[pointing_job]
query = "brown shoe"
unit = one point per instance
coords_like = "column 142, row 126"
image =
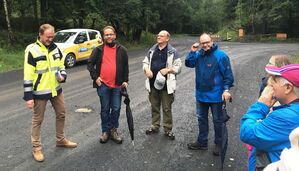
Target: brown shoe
column 38, row 155
column 115, row 136
column 104, row 137
column 66, row 143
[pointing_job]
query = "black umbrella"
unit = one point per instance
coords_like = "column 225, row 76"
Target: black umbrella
column 128, row 113
column 225, row 115
column 224, row 143
column 224, row 133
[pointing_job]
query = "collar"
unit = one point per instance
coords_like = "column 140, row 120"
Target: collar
column 213, row 48
column 51, row 47
column 162, row 50
column 286, row 105
column 295, row 101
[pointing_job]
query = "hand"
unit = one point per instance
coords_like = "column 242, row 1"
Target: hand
column 165, row 71
column 30, row 104
column 99, row 81
column 60, row 79
column 124, row 84
column 195, row 47
column 267, row 96
column 148, row 73
column 226, row 96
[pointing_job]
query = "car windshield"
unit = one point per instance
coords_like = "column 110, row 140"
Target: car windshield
column 62, row 37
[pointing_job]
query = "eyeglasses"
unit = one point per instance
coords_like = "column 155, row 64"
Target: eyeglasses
column 107, row 35
column 202, row 43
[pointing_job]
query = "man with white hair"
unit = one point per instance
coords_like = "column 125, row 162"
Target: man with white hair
column 160, row 66
column 269, row 131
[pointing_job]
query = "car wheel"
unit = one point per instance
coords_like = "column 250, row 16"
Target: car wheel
column 70, row 60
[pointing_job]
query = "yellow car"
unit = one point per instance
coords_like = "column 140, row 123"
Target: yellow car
column 77, row 44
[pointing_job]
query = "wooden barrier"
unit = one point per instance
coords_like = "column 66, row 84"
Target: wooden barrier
column 241, row 33
column 281, row 36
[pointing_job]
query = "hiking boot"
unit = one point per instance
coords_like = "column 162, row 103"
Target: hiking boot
column 115, row 136
column 152, row 130
column 197, row 146
column 104, row 137
column 38, row 155
column 170, row 135
column 216, row 150
column 66, row 143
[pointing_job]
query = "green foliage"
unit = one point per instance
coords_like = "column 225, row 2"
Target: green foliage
column 95, row 21
column 137, row 20
column 11, row 60
column 227, row 34
column 146, row 40
column 295, row 59
column 132, row 17
column 267, row 16
column 22, row 40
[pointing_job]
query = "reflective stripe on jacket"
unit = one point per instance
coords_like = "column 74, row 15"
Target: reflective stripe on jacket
column 41, row 65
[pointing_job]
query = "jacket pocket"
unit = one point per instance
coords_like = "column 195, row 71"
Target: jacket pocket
column 171, row 83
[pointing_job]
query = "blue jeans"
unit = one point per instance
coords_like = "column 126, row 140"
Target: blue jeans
column 110, row 99
column 202, row 111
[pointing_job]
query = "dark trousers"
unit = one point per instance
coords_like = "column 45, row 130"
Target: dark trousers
column 202, row 110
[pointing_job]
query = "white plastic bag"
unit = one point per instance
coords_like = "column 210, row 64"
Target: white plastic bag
column 289, row 158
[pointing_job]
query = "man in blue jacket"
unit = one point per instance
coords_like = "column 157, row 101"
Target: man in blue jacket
column 269, row 131
column 214, row 78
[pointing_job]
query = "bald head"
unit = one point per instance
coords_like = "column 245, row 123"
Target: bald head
column 205, row 37
column 164, row 32
column 163, row 37
column 205, row 41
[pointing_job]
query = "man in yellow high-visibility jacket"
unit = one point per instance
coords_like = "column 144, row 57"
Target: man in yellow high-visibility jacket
column 43, row 72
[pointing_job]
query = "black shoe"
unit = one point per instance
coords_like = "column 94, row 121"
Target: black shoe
column 216, row 150
column 151, row 130
column 197, row 146
column 170, row 135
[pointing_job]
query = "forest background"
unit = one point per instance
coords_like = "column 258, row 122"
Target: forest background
column 137, row 21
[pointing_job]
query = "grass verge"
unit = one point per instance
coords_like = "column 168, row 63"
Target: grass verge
column 295, row 59
column 11, row 60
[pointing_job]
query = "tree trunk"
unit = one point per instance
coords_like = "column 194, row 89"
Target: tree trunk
column 252, row 17
column 117, row 28
column 290, row 23
column 10, row 34
column 44, row 7
column 37, row 12
column 93, row 22
column 136, row 35
column 81, row 18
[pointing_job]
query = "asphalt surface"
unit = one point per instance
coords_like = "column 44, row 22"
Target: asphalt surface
column 154, row 152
